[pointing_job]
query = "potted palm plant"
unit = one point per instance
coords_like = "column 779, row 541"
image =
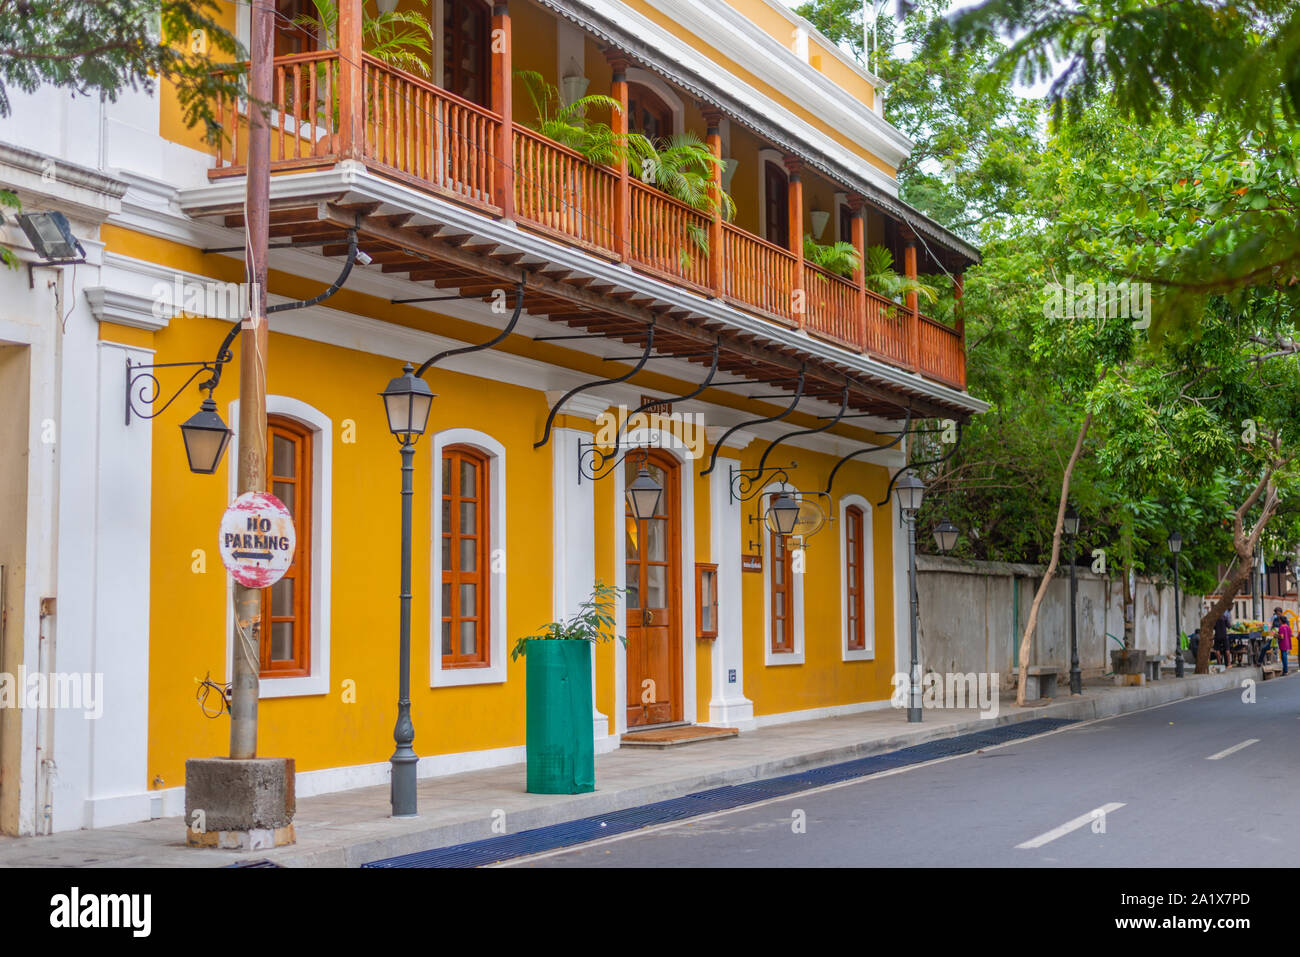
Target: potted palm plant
column 682, row 166
column 558, row 740
column 839, row 258
column 881, row 278
column 400, row 38
column 568, row 125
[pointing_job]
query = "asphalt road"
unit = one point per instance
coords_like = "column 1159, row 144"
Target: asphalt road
column 1174, row 786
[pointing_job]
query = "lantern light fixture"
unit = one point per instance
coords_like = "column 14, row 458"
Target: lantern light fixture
column 206, row 437
column 945, row 536
column 643, row 495
column 909, row 491
column 407, row 402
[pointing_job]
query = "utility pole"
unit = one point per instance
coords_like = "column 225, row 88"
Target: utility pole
column 252, row 374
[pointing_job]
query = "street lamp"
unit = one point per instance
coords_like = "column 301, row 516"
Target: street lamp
column 784, row 513
column 945, row 536
column 1071, row 530
column 407, row 401
column 643, row 495
column 909, row 491
column 1176, row 546
column 206, row 437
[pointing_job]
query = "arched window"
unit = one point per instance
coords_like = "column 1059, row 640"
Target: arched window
column 776, row 197
column 465, row 557
column 286, row 605
column 854, row 578
column 647, row 113
column 466, row 38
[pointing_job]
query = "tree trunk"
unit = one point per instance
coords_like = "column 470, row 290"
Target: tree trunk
column 1032, row 623
column 1244, row 545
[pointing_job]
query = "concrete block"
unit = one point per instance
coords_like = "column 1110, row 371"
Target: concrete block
column 239, row 797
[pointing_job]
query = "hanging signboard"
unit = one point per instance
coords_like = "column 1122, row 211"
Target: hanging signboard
column 751, row 563
column 257, row 539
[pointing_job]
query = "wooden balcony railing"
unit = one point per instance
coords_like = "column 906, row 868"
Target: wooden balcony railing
column 942, row 354
column 558, row 190
column 886, row 329
column 409, row 129
column 757, row 274
column 424, row 134
column 669, row 237
column 832, row 304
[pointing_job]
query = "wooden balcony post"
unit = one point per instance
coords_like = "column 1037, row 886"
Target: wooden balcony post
column 503, row 172
column 859, row 240
column 618, row 122
column 352, row 119
column 798, row 291
column 913, row 313
column 714, row 138
column 959, row 314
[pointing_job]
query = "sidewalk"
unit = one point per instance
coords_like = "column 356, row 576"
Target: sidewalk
column 350, row 828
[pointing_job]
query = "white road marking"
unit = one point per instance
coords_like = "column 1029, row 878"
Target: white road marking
column 1232, row 750
column 1069, row 826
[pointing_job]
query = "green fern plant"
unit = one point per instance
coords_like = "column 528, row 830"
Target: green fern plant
column 402, row 39
column 569, row 126
column 593, row 622
column 881, row 278
column 839, row 258
column 682, row 166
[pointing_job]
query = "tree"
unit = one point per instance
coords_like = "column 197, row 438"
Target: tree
column 103, row 47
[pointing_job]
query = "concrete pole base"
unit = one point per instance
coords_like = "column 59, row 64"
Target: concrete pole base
column 242, row 804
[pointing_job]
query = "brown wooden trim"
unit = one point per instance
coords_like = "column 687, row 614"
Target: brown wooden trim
column 453, row 535
column 855, row 552
column 701, row 569
column 299, row 572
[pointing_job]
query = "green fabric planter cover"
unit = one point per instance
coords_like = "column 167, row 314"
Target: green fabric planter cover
column 560, row 745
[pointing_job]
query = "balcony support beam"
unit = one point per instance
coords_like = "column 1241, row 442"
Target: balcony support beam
column 859, row 239
column 913, row 313
column 794, row 167
column 503, row 176
column 713, row 137
column 352, row 143
column 619, row 121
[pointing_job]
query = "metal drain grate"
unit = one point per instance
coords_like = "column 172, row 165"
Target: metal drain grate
column 570, row 833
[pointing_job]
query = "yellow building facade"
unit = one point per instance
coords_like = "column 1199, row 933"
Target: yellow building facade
column 758, row 373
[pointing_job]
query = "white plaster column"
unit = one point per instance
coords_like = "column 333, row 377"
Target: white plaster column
column 574, row 535
column 728, row 706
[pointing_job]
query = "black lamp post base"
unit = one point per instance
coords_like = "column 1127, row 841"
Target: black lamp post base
column 403, row 794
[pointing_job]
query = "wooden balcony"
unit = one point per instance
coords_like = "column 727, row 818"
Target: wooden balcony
column 326, row 109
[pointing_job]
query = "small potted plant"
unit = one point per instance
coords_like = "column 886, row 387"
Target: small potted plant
column 559, row 741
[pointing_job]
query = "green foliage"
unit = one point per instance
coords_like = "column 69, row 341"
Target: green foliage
column 593, row 622
column 840, row 258
column 569, row 125
column 402, row 38
column 103, row 47
column 882, row 278
column 682, row 166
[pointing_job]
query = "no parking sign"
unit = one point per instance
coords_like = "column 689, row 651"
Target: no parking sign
column 257, row 539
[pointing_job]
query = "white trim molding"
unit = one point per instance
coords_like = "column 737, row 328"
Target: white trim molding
column 322, row 548
column 795, row 617
column 867, row 653
column 495, row 672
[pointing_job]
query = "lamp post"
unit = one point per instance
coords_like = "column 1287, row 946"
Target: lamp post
column 407, row 401
column 1176, row 546
column 945, row 536
column 1072, row 530
column 909, row 491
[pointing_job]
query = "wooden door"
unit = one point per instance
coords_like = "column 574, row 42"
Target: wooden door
column 652, row 553
column 776, row 194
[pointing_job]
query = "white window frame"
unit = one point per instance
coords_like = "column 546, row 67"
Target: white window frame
column 322, row 517
column 868, row 652
column 495, row 672
column 795, row 617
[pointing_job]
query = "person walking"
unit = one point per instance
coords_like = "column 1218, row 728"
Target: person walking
column 1283, row 629
column 1221, row 639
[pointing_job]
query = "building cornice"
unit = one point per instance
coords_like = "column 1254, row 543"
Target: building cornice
column 78, row 191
